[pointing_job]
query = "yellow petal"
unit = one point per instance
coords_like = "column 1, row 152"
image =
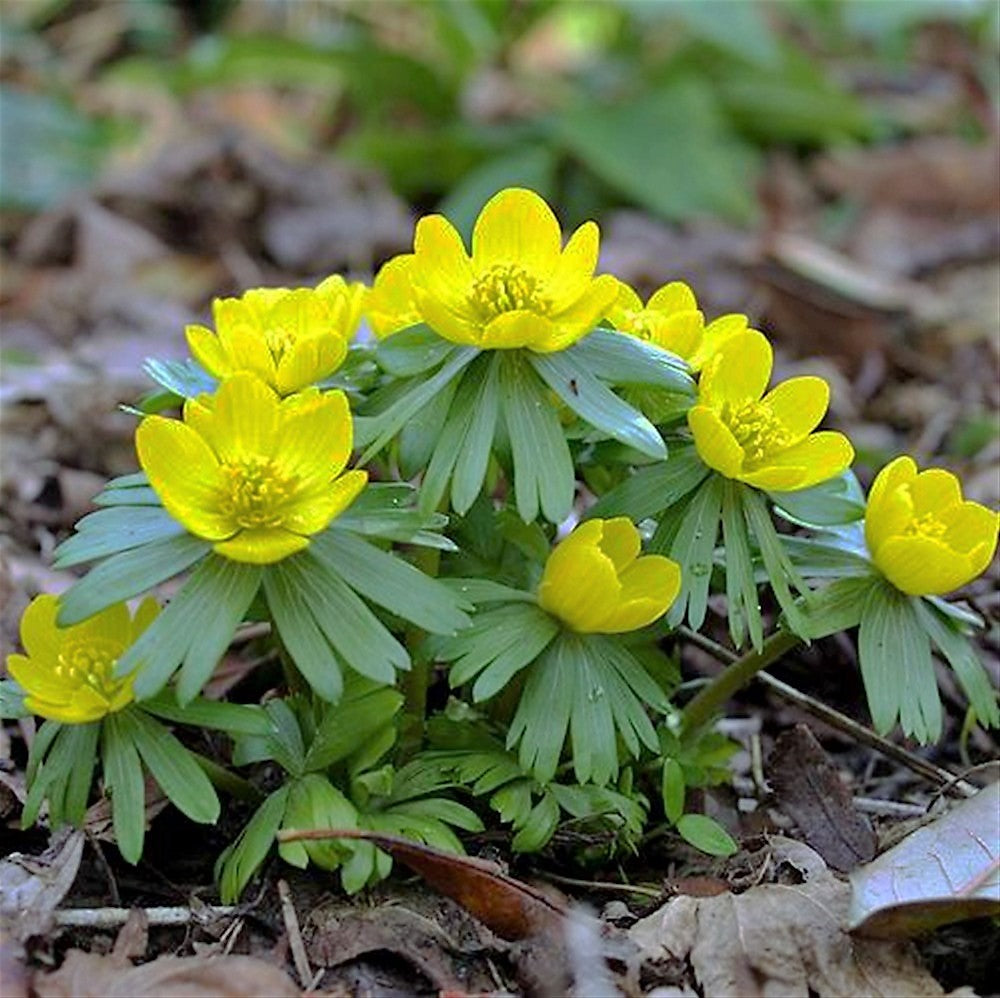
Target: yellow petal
column 207, row 350
column 246, row 414
column 934, row 491
column 390, row 304
column 146, row 612
column 923, row 566
column 717, row 332
column 315, row 436
column 673, row 297
column 714, row 441
column 818, row 458
column 619, row 541
column 900, row 471
column 649, row 586
column 39, row 634
column 579, row 587
column 185, row 474
column 308, row 361
column 971, row 526
column 625, row 304
column 83, row 709
column 680, row 332
column 440, row 266
column 37, row 677
column 242, row 337
column 575, row 268
column 261, row 545
column 574, row 323
column 510, row 330
column 799, row 404
column 315, row 509
column 738, row 371
column 445, row 321
column 516, row 226
column 112, row 626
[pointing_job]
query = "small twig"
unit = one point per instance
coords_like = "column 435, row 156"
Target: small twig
column 110, row 918
column 603, row 885
column 895, row 808
column 295, row 944
column 948, row 781
column 109, row 874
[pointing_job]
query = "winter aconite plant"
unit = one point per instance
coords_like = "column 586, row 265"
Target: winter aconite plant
column 519, row 496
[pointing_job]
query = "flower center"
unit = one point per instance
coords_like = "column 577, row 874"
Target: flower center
column 278, row 340
column 255, row 492
column 756, row 429
column 90, row 664
column 638, row 325
column 507, row 287
column 927, row 525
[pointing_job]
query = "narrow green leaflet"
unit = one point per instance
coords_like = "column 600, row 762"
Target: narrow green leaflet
column 653, row 488
column 673, row 789
column 538, row 827
column 422, row 432
column 346, row 726
column 961, row 656
column 242, row 860
column 233, row 718
column 301, row 635
column 357, row 635
column 896, row 665
column 182, row 377
column 194, row 631
column 592, row 400
column 829, row 504
column 172, row 766
column 109, row 531
column 693, row 549
column 743, row 609
column 412, row 351
column 127, row 574
column 478, row 591
column 374, row 432
column 393, row 583
column 543, row 468
column 622, row 359
column 474, row 452
column 838, row 607
column 388, row 511
column 81, row 745
column 128, row 490
column 706, row 834
column 123, row 780
column 780, row 570
column 833, row 554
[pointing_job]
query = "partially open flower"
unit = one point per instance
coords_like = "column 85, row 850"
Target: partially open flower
column 68, row 672
column 596, row 582
column 390, row 304
column 764, row 440
column 289, row 338
column 256, row 474
column 923, row 537
column 519, row 288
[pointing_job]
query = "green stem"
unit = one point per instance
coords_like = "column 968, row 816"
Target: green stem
column 222, row 779
column 415, row 682
column 707, row 703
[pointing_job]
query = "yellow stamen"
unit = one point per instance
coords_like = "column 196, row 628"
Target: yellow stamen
column 927, row 525
column 506, row 288
column 255, row 492
column 756, row 429
column 90, row 664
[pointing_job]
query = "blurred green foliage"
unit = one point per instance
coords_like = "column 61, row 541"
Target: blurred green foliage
column 667, row 106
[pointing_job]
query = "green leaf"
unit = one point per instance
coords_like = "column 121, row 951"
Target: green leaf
column 536, row 830
column 474, row 451
column 374, row 432
column 301, row 634
column 412, row 351
column 962, row 657
column 242, row 860
column 356, row 634
column 194, row 631
column 673, row 789
column 896, row 665
column 693, row 549
column 12, row 701
column 349, row 724
column 123, row 780
column 128, row 490
column 622, row 359
column 671, row 151
column 109, row 531
column 286, row 743
column 181, row 377
column 387, row 510
column 829, row 504
column 835, row 554
column 172, row 766
column 81, row 744
column 422, row 432
column 127, row 574
column 313, row 802
column 654, row 488
column 706, row 834
column 740, row 30
column 574, row 382
column 836, row 608
column 543, row 467
column 233, row 718
column 478, row 591
column 743, row 609
column 780, row 570
column 393, row 583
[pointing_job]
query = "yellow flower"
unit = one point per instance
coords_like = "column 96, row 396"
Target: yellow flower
column 595, row 581
column 764, row 441
column 520, row 288
column 254, row 473
column 923, row 537
column 289, row 338
column 68, row 672
column 671, row 319
column 390, row 305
